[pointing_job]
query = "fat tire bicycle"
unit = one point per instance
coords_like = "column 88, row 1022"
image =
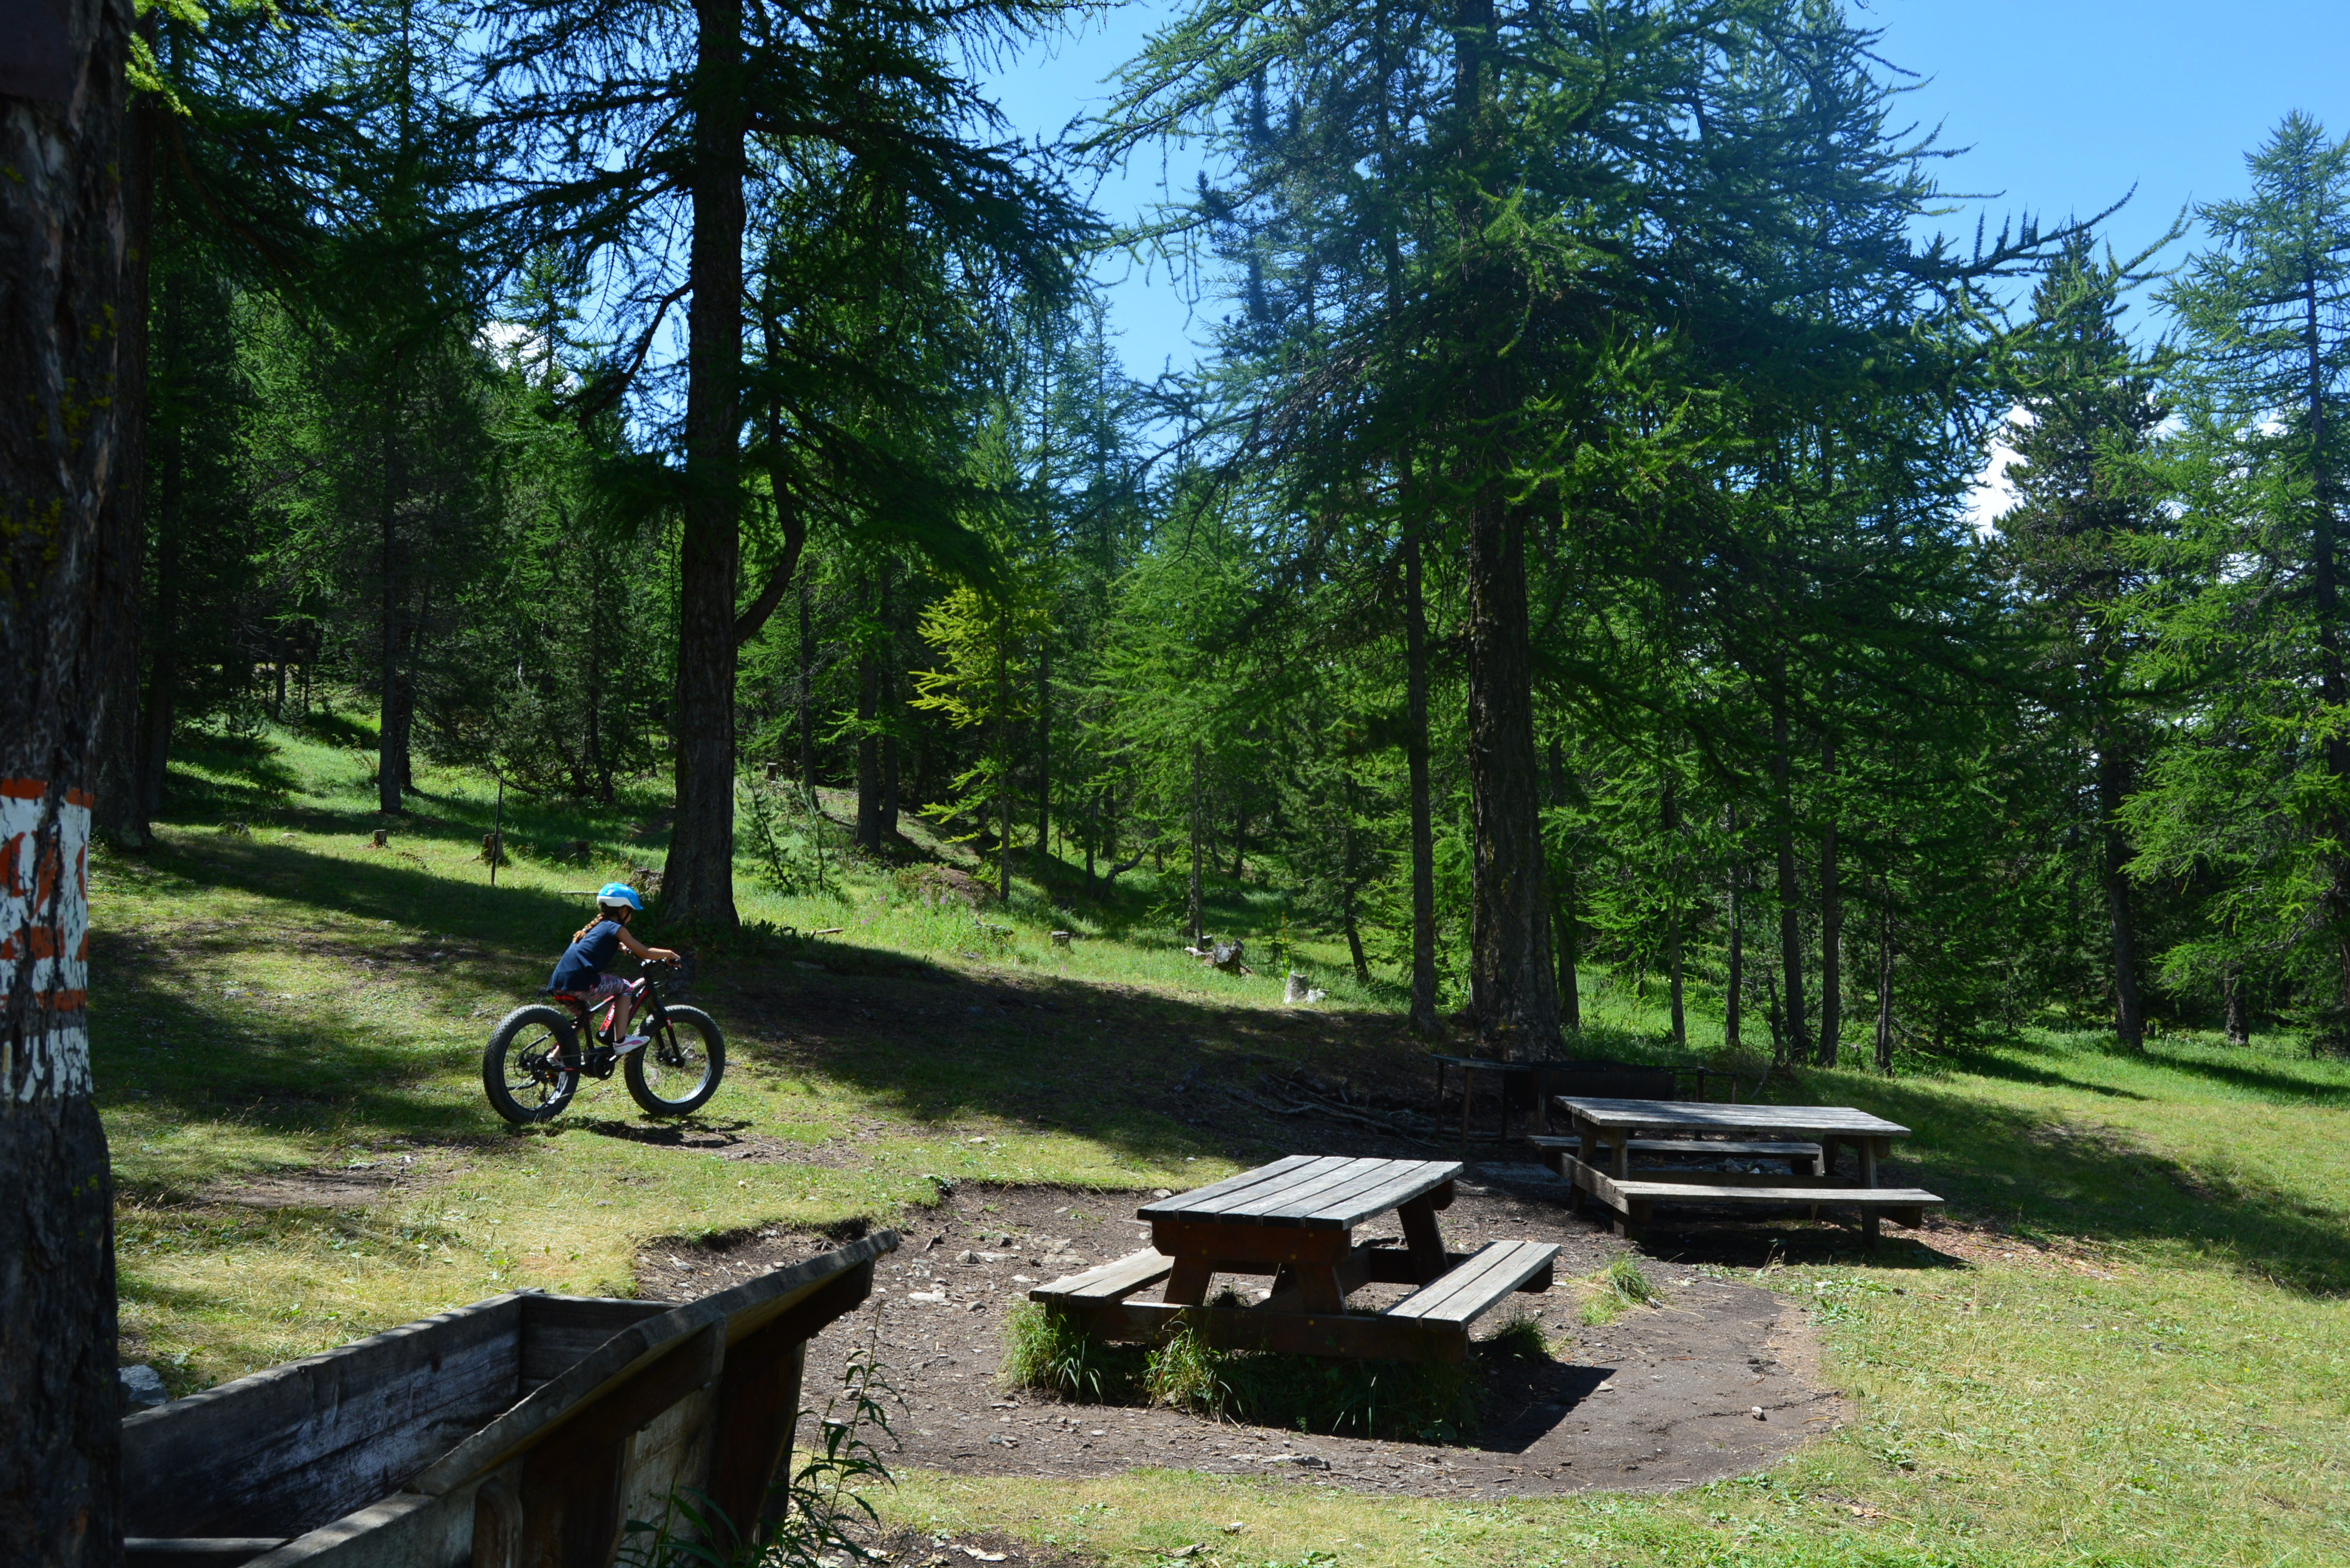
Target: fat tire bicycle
column 532, row 1065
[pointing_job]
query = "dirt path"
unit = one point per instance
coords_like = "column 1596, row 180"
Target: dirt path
column 1665, row 1396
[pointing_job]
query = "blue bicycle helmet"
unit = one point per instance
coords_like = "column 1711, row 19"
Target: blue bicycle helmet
column 619, row 893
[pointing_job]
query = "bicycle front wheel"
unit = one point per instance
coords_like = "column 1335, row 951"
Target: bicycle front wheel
column 678, row 1069
column 523, row 1071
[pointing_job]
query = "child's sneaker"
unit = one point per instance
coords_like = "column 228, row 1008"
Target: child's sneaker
column 635, row 1043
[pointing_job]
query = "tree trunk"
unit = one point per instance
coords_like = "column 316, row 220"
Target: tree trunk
column 1670, row 821
column 1797, row 1038
column 1354, row 941
column 807, row 694
column 1239, row 842
column 2113, row 790
column 2233, row 1004
column 1512, row 976
column 1093, row 836
column 1831, row 927
column 156, row 712
column 889, row 778
column 1885, row 978
column 61, row 425
column 1733, row 1000
column 1564, row 934
column 868, row 744
column 1198, row 910
column 1423, row 831
column 1004, row 769
column 116, row 811
column 599, row 764
column 389, row 740
column 1044, row 756
column 698, row 883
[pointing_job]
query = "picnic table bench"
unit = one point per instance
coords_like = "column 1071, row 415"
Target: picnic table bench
column 519, row 1432
column 1295, row 1220
column 1607, row 1135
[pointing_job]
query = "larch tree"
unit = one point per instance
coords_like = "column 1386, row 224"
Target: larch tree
column 2079, row 543
column 61, row 262
column 647, row 134
column 2250, row 793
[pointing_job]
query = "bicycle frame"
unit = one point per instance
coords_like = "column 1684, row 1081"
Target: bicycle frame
column 641, row 989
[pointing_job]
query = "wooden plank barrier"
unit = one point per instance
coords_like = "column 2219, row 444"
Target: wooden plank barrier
column 520, row 1432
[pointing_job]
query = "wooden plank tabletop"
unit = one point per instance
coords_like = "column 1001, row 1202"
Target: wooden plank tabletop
column 1703, row 1116
column 1320, row 1192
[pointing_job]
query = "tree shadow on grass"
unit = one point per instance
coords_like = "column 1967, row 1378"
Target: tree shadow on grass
column 2030, row 1172
column 2005, row 1065
column 154, row 1048
column 2270, row 1077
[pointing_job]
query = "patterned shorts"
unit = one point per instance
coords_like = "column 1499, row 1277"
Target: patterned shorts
column 605, row 985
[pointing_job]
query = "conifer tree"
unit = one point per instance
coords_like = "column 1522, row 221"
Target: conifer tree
column 2250, row 792
column 2078, row 541
column 647, row 133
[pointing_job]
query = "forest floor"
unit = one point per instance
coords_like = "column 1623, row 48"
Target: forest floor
column 2127, row 1344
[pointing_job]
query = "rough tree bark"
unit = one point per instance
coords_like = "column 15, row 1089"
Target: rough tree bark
column 1733, row 1000
column 807, row 694
column 1885, row 978
column 61, row 232
column 888, row 757
column 156, row 714
column 391, row 733
column 1198, row 910
column 1831, row 927
column 2236, row 1007
column 2114, row 855
column 116, row 811
column 1423, row 829
column 1512, row 976
column 1669, row 820
column 1003, row 760
column 698, row 880
column 868, row 744
column 1564, row 934
column 1798, row 1039
column 1044, row 756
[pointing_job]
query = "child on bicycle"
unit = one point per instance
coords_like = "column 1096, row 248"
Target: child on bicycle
column 582, row 972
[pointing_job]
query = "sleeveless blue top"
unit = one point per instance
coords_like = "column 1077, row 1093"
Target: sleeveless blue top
column 589, row 957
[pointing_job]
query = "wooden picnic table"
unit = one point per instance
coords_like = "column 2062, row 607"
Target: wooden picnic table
column 1609, row 1132
column 1295, row 1220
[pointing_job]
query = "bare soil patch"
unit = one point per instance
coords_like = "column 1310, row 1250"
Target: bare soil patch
column 303, row 1189
column 1663, row 1398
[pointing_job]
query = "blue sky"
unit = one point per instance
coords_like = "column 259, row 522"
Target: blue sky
column 2062, row 107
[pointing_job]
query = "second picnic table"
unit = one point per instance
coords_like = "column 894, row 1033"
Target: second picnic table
column 1598, row 1157
column 1295, row 1220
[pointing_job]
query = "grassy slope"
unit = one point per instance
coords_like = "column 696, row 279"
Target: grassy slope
column 2165, row 1384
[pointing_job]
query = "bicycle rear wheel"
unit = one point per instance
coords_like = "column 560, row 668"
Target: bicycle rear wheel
column 677, row 1071
column 523, row 1071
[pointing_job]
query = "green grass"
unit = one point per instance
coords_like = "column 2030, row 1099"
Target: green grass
column 2134, row 1351
column 1618, row 1286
